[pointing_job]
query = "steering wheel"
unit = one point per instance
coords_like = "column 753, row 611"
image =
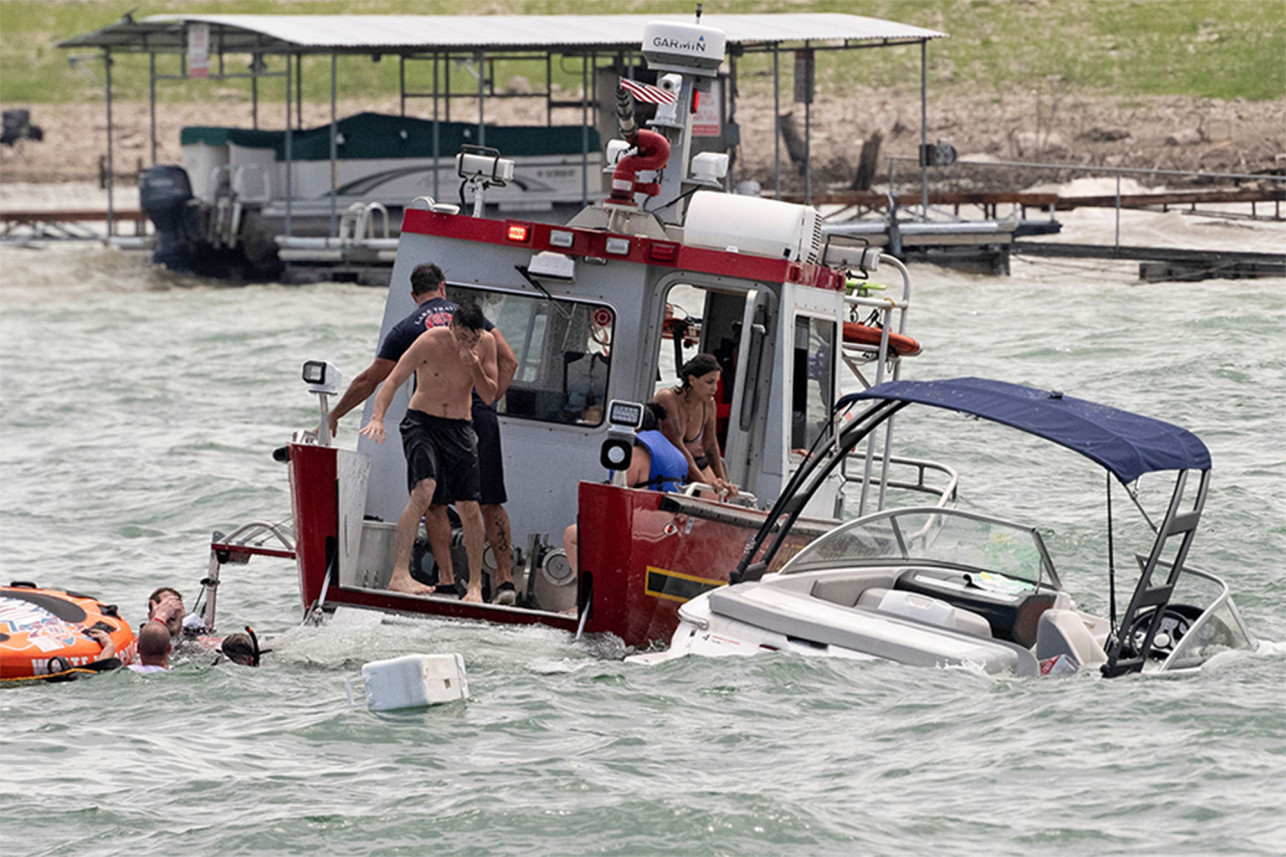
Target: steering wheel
column 1176, row 621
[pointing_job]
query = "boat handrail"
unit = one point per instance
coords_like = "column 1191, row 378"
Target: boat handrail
column 876, row 302
column 250, row 538
column 1176, row 660
column 947, row 494
column 365, row 223
column 744, row 498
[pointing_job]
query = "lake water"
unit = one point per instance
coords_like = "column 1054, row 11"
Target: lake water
column 139, row 413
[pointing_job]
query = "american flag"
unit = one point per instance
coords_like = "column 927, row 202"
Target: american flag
column 648, row 93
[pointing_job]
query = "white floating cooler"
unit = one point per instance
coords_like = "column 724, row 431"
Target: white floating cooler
column 414, row 681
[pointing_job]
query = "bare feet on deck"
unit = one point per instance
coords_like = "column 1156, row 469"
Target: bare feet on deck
column 473, row 595
column 401, row 581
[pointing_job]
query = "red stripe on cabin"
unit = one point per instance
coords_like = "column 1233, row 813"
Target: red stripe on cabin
column 588, row 242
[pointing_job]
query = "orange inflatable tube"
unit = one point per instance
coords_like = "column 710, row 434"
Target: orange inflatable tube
column 43, row 632
column 902, row 345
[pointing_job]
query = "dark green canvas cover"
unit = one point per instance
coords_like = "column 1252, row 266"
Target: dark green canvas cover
column 376, row 135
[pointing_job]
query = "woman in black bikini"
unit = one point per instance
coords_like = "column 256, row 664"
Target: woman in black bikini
column 690, row 421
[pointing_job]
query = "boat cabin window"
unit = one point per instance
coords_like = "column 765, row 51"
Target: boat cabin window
column 564, row 351
column 813, row 382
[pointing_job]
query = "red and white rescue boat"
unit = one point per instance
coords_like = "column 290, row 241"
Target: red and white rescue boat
column 590, row 310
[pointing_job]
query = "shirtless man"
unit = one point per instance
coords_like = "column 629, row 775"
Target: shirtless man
column 437, row 435
column 433, row 309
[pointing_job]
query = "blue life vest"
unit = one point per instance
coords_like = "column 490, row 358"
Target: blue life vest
column 669, row 464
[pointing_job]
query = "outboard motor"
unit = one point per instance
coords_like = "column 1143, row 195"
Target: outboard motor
column 164, row 194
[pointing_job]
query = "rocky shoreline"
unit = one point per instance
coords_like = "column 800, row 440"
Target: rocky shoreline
column 1155, row 133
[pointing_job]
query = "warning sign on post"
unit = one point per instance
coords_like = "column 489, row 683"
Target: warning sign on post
column 706, row 121
column 198, row 50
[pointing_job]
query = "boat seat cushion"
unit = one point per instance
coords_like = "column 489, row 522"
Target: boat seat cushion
column 845, row 592
column 1012, row 617
column 1065, row 632
column 933, row 611
column 872, row 596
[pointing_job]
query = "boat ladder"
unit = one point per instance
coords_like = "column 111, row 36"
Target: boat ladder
column 1130, row 646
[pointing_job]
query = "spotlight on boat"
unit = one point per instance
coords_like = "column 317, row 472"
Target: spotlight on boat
column 552, row 266
column 325, row 380
column 479, row 162
column 322, row 377
column 623, row 419
column 480, row 168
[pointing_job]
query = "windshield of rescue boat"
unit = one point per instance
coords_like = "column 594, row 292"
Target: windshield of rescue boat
column 997, row 550
column 563, row 348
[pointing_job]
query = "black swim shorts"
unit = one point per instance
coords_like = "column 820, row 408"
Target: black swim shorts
column 491, row 463
column 441, row 449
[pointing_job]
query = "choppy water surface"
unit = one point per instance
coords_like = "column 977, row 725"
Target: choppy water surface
column 139, row 410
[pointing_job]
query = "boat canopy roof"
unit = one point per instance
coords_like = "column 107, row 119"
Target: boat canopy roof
column 1126, row 444
column 412, row 33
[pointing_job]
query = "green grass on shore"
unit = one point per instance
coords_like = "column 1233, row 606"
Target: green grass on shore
column 1204, row 48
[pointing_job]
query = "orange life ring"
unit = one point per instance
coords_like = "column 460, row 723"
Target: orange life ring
column 903, row 346
column 43, row 632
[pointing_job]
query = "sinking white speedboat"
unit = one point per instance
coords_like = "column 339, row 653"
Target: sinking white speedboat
column 945, row 587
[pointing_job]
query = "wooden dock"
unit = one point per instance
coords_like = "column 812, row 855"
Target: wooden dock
column 1157, row 264
column 59, row 223
column 989, row 202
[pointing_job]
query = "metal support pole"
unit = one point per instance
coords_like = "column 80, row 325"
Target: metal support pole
column 255, row 60
column 776, row 120
column 924, row 129
column 110, row 176
column 290, row 137
column 151, row 100
column 481, row 60
column 1117, row 245
column 334, row 143
column 808, row 129
column 299, row 91
column 729, row 112
column 437, row 140
column 401, row 85
column 584, row 128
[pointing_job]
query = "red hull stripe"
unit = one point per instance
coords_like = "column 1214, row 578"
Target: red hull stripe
column 587, row 242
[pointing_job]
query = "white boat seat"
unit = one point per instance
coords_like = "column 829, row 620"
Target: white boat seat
column 931, row 611
column 1065, row 632
column 845, row 592
column 872, row 596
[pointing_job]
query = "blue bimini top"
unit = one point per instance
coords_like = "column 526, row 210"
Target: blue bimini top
column 1126, row 444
